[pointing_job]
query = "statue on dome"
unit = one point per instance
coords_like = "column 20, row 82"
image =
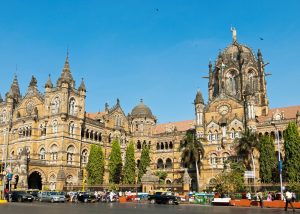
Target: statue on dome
column 233, row 30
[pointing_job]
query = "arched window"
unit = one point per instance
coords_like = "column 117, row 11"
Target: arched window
column 72, row 106
column 168, row 181
column 144, row 144
column 138, row 145
column 171, row 145
column 251, row 79
column 55, row 127
column 3, row 117
column 92, row 135
column 160, row 164
column 100, row 136
column 109, row 138
column 149, row 145
column 72, row 128
column 53, row 152
column 70, row 154
column 138, row 163
column 209, row 137
column 166, row 145
column 42, row 154
column 225, row 156
column 162, row 146
column 55, row 105
column 169, row 163
column 213, row 159
column 232, row 134
column 87, row 134
column 157, row 146
column 231, row 82
column 84, row 156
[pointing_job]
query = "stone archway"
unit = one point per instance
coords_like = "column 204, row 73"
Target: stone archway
column 35, row 181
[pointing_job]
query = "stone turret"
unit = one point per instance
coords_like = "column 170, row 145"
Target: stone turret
column 14, row 92
column 49, row 83
column 66, row 76
column 199, row 108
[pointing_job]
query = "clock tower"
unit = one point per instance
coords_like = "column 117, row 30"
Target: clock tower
column 236, row 96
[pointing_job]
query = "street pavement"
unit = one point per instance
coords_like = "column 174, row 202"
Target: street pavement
column 126, row 208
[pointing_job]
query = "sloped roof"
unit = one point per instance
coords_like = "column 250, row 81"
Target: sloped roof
column 180, row 126
column 95, row 115
column 288, row 113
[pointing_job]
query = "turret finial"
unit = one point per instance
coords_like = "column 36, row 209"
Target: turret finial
column 233, row 30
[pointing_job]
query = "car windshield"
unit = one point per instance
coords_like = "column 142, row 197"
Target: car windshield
column 21, row 192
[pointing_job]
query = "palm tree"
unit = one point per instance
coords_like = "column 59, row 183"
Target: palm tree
column 192, row 152
column 248, row 142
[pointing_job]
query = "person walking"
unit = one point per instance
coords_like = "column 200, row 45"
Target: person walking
column 259, row 196
column 288, row 200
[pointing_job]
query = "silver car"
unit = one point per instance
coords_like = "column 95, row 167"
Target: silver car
column 52, row 197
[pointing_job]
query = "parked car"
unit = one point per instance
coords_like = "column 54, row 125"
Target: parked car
column 52, row 197
column 34, row 193
column 20, row 196
column 163, row 198
column 86, row 197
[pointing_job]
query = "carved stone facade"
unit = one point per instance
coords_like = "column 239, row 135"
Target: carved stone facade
column 57, row 133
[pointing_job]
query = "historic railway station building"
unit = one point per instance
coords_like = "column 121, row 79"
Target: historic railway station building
column 46, row 137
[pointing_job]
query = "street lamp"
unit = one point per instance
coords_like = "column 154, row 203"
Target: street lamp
column 279, row 158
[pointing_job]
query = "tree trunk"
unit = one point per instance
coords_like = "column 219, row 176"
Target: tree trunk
column 197, row 174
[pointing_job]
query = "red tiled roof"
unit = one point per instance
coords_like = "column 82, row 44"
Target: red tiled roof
column 288, row 113
column 95, row 115
column 180, row 126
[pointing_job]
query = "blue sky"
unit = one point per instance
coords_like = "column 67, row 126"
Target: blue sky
column 155, row 50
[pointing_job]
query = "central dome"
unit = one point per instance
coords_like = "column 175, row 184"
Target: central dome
column 141, row 110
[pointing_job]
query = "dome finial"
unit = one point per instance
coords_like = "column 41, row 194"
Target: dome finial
column 233, row 30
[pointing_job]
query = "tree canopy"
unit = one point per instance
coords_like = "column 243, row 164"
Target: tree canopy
column 95, row 165
column 115, row 163
column 292, row 153
column 129, row 173
column 267, row 160
column 144, row 163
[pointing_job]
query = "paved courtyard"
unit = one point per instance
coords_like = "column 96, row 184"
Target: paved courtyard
column 48, row 208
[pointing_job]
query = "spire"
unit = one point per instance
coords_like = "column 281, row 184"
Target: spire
column 199, row 98
column 82, row 86
column 33, row 82
column 210, row 67
column 49, row 82
column 259, row 56
column 14, row 91
column 66, row 76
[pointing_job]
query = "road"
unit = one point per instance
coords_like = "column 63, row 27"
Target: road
column 127, row 208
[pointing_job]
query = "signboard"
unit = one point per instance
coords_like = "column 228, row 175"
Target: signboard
column 249, row 174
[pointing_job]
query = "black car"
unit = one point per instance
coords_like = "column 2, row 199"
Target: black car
column 163, row 198
column 20, row 196
column 86, row 197
column 34, row 193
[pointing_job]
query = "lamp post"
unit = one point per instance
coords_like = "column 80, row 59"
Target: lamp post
column 279, row 159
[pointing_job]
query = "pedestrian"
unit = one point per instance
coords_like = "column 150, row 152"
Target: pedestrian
column 248, row 195
column 269, row 197
column 288, row 200
column 260, row 198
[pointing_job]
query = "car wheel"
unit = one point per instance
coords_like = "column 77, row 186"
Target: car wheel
column 171, row 202
column 10, row 199
column 40, row 200
column 19, row 199
column 85, row 200
column 52, row 200
column 152, row 201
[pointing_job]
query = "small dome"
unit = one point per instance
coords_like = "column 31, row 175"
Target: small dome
column 141, row 110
